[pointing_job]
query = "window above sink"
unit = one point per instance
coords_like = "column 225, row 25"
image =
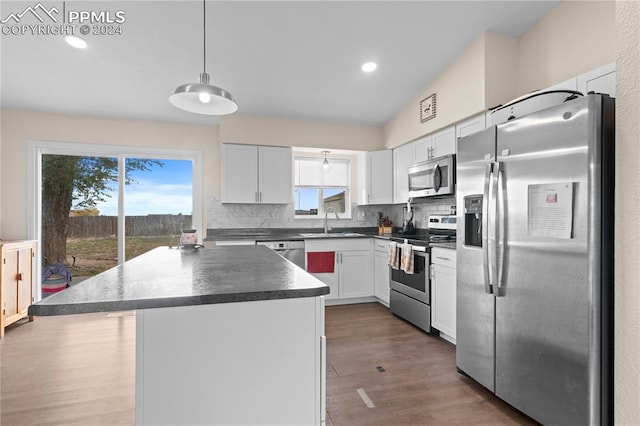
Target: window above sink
column 316, row 188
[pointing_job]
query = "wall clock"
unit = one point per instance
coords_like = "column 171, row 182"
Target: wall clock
column 428, row 108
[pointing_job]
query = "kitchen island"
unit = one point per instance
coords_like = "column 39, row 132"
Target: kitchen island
column 225, row 335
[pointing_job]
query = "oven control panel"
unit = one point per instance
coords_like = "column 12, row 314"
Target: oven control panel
column 443, row 222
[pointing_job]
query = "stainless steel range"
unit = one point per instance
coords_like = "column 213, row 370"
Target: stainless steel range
column 410, row 296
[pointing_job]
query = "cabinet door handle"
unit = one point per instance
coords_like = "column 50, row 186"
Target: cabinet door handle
column 19, row 276
column 442, row 258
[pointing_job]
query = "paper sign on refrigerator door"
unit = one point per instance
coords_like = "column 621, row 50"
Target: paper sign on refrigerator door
column 550, row 210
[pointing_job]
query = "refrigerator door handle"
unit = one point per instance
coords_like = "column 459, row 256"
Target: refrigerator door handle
column 500, row 215
column 488, row 288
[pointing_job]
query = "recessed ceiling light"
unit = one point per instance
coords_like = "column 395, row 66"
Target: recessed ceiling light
column 369, row 67
column 76, row 42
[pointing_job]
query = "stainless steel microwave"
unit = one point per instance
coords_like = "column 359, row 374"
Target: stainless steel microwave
column 435, row 177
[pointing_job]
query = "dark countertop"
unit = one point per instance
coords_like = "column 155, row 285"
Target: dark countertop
column 169, row 277
column 293, row 234
column 281, row 234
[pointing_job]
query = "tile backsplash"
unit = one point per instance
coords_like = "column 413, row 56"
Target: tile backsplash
column 282, row 216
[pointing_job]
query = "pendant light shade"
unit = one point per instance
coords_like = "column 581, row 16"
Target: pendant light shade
column 203, row 98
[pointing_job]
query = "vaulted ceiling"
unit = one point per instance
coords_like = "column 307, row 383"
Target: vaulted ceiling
column 296, row 59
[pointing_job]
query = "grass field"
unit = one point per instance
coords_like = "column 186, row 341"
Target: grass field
column 94, row 255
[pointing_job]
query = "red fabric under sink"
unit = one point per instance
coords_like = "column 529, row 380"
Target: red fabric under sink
column 321, row 261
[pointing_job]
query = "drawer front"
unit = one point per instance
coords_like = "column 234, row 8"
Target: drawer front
column 381, row 245
column 337, row 244
column 443, row 257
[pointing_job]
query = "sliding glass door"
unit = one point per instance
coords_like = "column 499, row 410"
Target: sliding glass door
column 74, row 232
column 158, row 203
column 92, row 210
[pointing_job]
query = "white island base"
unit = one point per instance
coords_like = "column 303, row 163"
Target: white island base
column 246, row 363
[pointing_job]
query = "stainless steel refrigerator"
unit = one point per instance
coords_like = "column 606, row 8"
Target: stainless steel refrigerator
column 535, row 261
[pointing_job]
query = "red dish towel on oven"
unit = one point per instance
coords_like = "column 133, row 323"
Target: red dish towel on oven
column 321, row 261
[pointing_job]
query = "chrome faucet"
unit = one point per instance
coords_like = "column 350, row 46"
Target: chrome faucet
column 326, row 228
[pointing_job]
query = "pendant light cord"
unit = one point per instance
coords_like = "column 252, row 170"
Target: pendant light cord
column 204, row 32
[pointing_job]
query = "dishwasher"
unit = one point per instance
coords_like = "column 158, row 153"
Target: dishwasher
column 290, row 250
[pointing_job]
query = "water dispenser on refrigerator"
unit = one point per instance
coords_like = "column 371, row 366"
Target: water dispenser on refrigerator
column 473, row 220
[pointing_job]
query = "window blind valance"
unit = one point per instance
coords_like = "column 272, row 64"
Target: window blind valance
column 309, row 172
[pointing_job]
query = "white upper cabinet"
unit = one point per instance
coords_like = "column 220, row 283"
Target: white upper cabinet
column 275, row 185
column 256, row 174
column 428, row 147
column 435, row 145
column 471, row 126
column 600, row 80
column 444, row 142
column 239, row 173
column 423, row 149
column 375, row 183
column 402, row 159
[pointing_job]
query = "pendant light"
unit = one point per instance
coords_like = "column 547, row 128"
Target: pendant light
column 325, row 163
column 203, row 98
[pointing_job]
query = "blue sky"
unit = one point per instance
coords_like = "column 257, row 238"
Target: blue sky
column 162, row 190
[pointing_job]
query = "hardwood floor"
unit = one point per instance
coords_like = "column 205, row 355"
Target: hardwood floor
column 419, row 384
column 69, row 370
column 80, row 370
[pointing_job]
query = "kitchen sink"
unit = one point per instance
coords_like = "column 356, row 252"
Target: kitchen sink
column 332, row 234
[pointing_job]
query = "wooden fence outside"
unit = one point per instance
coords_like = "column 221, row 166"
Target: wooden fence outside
column 142, row 226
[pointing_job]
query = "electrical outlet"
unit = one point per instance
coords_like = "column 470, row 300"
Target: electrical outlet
column 361, row 215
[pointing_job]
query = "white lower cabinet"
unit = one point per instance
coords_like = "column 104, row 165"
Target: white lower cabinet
column 352, row 276
column 443, row 292
column 206, row 364
column 381, row 270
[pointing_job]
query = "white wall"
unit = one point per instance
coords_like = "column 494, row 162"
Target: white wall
column 459, row 93
column 257, row 130
column 501, row 70
column 20, row 126
column 627, row 251
column 575, row 37
column 274, row 131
